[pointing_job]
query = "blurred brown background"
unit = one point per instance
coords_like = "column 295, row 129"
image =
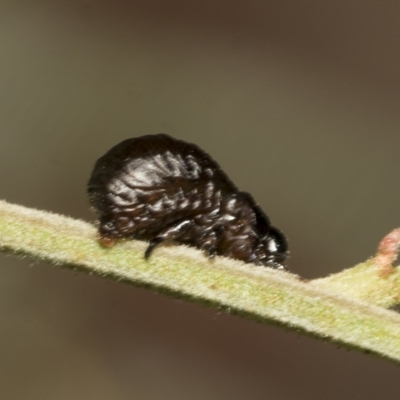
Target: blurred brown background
column 297, row 100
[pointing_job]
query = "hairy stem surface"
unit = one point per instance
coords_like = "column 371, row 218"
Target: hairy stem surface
column 321, row 308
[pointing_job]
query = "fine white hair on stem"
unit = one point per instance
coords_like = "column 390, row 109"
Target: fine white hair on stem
column 346, row 308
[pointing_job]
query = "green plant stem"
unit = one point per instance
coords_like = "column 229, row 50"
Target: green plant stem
column 261, row 293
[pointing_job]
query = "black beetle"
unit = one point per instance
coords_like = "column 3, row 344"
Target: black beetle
column 158, row 188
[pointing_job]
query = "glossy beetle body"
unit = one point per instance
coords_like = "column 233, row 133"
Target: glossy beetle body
column 158, row 188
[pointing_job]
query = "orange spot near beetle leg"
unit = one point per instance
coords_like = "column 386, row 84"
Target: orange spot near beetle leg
column 106, row 241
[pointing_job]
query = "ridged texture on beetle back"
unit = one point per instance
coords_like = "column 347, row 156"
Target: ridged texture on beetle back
column 154, row 180
column 159, row 188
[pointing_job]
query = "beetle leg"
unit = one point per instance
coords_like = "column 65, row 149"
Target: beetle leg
column 209, row 248
column 210, row 244
column 168, row 234
column 106, row 236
